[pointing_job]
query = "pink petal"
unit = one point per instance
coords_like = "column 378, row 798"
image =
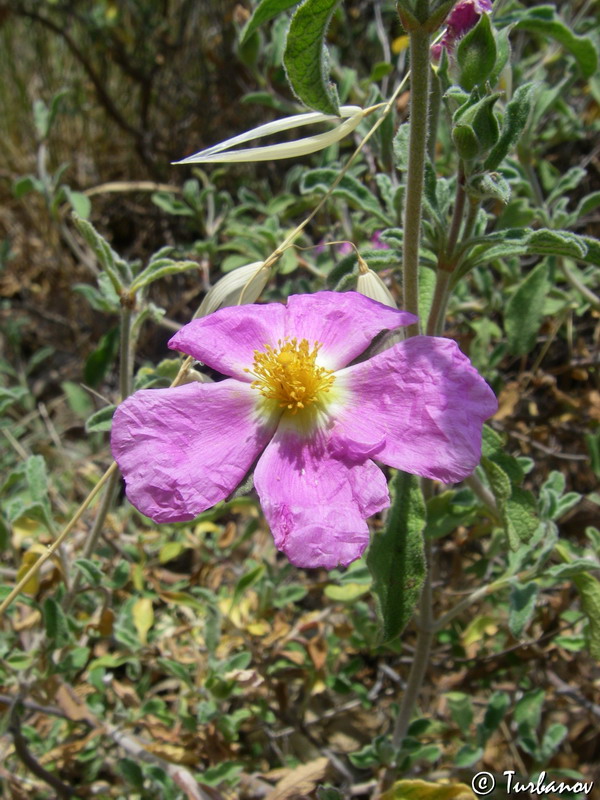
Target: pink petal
column 227, row 339
column 184, row 449
column 419, row 406
column 344, row 322
column 316, row 503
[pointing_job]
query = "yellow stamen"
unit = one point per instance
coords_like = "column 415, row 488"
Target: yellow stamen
column 290, row 374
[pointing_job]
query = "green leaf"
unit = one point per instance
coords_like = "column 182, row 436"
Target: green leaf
column 466, row 142
column 100, row 420
column 107, row 258
column 490, row 185
column 90, row 570
column 396, row 559
column 26, row 184
column 580, row 47
column 527, row 713
column 37, row 478
column 245, row 582
column 350, row 189
column 522, row 605
column 176, row 669
column 266, row 10
column 461, row 710
column 524, row 310
column 589, row 591
column 494, row 714
column 520, row 512
column 306, row 58
column 55, row 622
column 468, row 755
column 445, row 512
column 13, row 395
column 476, row 54
column 78, row 399
column 513, row 125
column 553, row 738
column 158, row 269
column 100, row 359
column 37, row 482
column 79, row 202
column 556, row 243
column 131, row 771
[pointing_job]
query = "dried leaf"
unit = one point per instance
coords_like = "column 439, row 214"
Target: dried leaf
column 143, row 617
column 300, row 781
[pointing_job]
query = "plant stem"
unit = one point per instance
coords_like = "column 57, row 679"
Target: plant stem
column 420, row 659
column 574, row 281
column 435, row 104
column 125, row 385
column 126, row 349
column 457, row 216
column 437, row 314
column 63, row 535
column 94, row 535
column 420, row 71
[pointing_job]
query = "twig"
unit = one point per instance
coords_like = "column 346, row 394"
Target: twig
column 23, row 752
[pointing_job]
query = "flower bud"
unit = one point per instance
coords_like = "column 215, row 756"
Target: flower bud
column 370, row 284
column 238, row 287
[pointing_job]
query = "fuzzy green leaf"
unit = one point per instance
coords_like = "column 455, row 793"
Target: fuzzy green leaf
column 306, row 58
column 350, row 189
column 589, row 591
column 513, row 125
column 55, row 622
column 264, row 12
column 580, row 47
column 476, row 54
column 396, row 559
column 522, row 606
column 524, row 311
column 159, row 269
column 100, row 420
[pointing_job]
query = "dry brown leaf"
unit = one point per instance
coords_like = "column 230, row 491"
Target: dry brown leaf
column 173, row 753
column 29, row 621
column 317, row 650
column 300, row 781
column 508, row 399
column 72, row 705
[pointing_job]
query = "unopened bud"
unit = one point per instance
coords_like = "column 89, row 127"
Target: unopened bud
column 239, row 287
column 370, row 284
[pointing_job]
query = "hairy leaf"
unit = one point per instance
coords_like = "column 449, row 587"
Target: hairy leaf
column 306, row 59
column 265, row 11
column 524, row 311
column 396, row 558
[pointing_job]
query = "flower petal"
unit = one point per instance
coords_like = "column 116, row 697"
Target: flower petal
column 344, row 322
column 227, row 339
column 181, row 450
column 316, row 503
column 426, row 402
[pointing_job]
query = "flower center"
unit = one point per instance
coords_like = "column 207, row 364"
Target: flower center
column 290, row 374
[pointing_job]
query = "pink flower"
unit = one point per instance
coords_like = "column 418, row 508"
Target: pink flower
column 314, row 423
column 378, row 242
column 461, row 19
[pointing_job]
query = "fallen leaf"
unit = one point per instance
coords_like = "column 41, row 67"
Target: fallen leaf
column 143, row 617
column 300, row 781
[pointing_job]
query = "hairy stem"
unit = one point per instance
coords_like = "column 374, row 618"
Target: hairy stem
column 437, row 314
column 420, row 71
